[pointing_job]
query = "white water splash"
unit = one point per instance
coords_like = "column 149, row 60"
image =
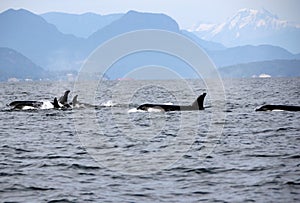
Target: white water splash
column 108, row 103
column 47, row 104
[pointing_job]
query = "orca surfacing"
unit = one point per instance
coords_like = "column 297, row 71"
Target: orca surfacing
column 196, row 105
column 278, row 108
column 62, row 103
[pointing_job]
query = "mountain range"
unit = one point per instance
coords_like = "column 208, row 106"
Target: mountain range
column 79, row 25
column 254, row 27
column 60, row 42
column 38, row 40
column 15, row 65
column 249, row 53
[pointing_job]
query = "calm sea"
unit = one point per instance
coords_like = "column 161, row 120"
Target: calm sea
column 114, row 153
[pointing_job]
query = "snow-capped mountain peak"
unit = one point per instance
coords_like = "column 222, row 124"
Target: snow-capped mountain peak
column 245, row 19
column 256, row 19
column 250, row 26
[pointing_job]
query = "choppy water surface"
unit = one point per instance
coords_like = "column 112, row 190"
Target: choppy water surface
column 151, row 157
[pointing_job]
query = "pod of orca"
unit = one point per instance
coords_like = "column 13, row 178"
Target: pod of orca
column 62, row 103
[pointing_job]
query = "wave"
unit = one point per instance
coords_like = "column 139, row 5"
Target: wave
column 108, row 103
column 151, row 110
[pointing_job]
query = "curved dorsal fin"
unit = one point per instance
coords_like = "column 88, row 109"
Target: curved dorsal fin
column 199, row 101
column 64, row 99
column 74, row 101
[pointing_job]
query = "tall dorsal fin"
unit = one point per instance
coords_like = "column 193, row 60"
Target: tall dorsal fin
column 64, row 99
column 55, row 103
column 199, row 101
column 74, row 101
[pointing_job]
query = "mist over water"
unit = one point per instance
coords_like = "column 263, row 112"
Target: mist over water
column 151, row 157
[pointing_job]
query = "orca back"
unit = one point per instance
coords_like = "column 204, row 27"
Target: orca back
column 278, row 107
column 24, row 104
column 196, row 105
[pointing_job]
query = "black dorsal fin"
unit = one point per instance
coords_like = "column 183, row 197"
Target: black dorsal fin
column 55, row 103
column 64, row 99
column 199, row 102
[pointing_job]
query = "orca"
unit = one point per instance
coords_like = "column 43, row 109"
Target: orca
column 278, row 108
column 62, row 103
column 25, row 105
column 64, row 99
column 75, row 101
column 76, row 104
column 56, row 105
column 34, row 105
column 196, row 105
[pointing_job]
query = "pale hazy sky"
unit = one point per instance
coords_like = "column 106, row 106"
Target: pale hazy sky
column 185, row 12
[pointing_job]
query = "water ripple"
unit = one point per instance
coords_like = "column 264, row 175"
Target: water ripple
column 256, row 159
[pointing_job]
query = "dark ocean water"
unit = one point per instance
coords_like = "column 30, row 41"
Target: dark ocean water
column 116, row 154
